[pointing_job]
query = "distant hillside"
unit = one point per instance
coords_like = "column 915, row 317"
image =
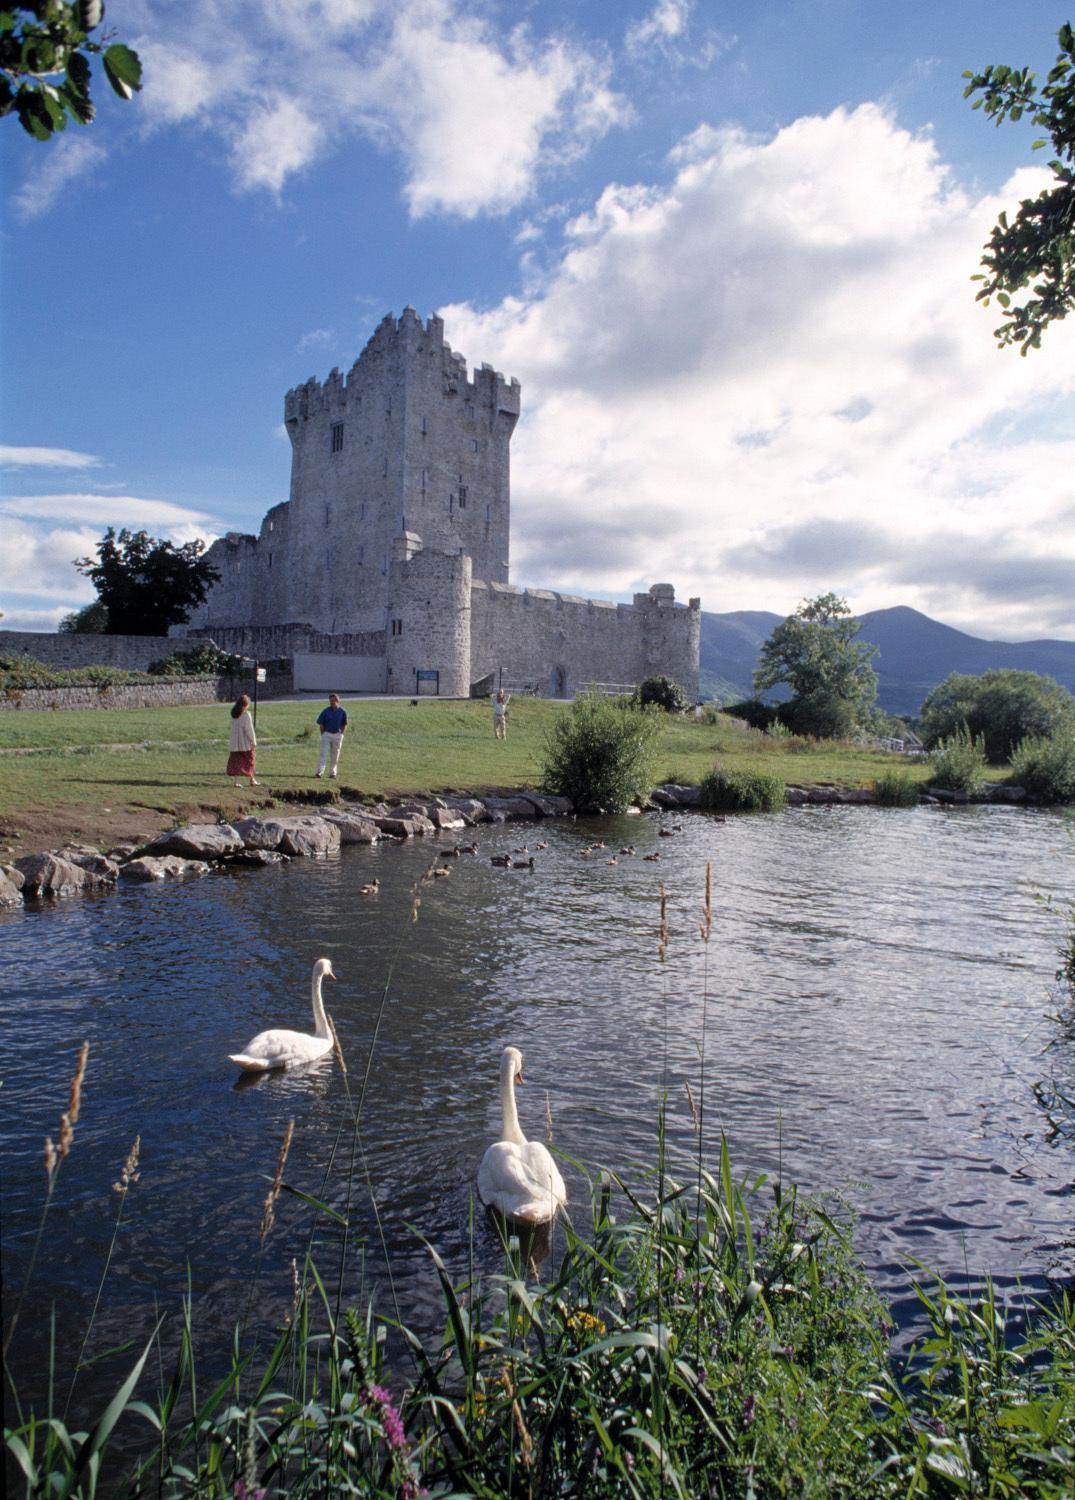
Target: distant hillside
column 915, row 654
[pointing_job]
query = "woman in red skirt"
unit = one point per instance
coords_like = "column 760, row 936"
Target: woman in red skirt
column 243, row 742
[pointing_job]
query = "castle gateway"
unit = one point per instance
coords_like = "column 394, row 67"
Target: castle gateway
column 387, row 570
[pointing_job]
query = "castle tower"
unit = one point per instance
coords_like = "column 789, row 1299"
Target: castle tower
column 405, row 442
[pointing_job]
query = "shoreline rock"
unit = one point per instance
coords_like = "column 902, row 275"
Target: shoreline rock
column 251, row 842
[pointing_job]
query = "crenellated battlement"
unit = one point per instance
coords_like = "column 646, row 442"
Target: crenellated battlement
column 405, row 337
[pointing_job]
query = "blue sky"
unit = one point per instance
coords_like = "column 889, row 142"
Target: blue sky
column 726, row 247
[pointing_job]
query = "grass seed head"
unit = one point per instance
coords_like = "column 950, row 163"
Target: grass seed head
column 268, row 1218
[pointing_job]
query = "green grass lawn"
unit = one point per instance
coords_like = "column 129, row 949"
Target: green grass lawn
column 170, row 761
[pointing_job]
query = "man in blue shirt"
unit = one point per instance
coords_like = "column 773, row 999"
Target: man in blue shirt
column 332, row 722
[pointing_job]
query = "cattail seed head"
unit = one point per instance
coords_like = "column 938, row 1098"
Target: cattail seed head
column 129, row 1173
column 336, row 1046
column 75, row 1102
column 67, row 1135
column 268, row 1218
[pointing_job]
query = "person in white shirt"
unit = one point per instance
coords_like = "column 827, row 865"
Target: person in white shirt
column 243, row 742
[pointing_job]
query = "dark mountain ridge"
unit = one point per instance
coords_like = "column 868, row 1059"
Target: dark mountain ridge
column 915, row 653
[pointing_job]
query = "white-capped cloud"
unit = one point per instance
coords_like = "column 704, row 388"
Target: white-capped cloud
column 46, row 458
column 71, row 159
column 476, row 114
column 40, row 561
column 18, row 618
column 783, row 331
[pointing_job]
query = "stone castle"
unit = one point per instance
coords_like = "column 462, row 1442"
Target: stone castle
column 387, row 569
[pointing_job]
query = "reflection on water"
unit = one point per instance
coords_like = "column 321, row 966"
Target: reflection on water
column 878, row 983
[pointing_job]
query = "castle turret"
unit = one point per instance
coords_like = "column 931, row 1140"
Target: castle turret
column 428, row 634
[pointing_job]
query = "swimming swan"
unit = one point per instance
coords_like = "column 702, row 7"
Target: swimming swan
column 518, row 1177
column 289, row 1049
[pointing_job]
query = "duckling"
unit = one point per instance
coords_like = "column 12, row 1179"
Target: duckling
column 504, row 860
column 523, row 864
column 371, row 889
column 651, row 857
column 612, row 861
column 600, row 844
column 442, row 870
column 541, row 846
column 628, row 849
column 522, row 849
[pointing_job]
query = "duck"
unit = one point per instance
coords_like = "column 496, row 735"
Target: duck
column 290, row 1049
column 651, row 857
column 442, row 870
column 518, row 1178
column 541, row 846
column 522, row 849
column 664, row 833
column 468, row 848
column 612, row 860
column 523, row 864
column 627, row 849
column 370, row 889
column 500, row 859
column 451, row 853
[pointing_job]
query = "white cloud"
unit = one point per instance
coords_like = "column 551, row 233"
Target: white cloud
column 72, row 159
column 37, row 561
column 37, row 557
column 46, row 458
column 33, row 619
column 103, row 510
column 787, row 330
column 667, row 19
column 476, row 115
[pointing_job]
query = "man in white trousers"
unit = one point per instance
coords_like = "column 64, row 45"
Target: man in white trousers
column 332, row 722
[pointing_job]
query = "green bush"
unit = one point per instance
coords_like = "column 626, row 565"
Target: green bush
column 741, row 791
column 662, row 693
column 200, row 661
column 896, row 789
column 958, row 761
column 752, row 711
column 19, row 672
column 600, row 753
column 1044, row 766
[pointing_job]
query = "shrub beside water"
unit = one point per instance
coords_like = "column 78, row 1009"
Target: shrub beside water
column 601, row 753
column 741, row 791
column 896, row 789
column 958, row 761
column 1044, row 766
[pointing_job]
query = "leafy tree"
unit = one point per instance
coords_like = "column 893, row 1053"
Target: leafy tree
column 44, row 67
column 145, row 584
column 663, row 692
column 815, row 652
column 1003, row 707
column 1040, row 240
column 91, row 619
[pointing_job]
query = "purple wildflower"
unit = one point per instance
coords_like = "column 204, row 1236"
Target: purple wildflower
column 679, row 1274
column 748, row 1411
column 242, row 1493
column 391, row 1422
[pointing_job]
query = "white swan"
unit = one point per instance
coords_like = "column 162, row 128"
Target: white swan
column 289, row 1049
column 518, row 1177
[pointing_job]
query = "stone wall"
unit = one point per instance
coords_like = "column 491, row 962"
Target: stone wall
column 132, row 653
column 560, row 642
column 165, row 694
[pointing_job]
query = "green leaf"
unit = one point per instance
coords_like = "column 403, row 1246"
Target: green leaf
column 33, row 116
column 102, row 1429
column 124, row 69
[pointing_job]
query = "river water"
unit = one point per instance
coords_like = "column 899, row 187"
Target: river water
column 876, row 1001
